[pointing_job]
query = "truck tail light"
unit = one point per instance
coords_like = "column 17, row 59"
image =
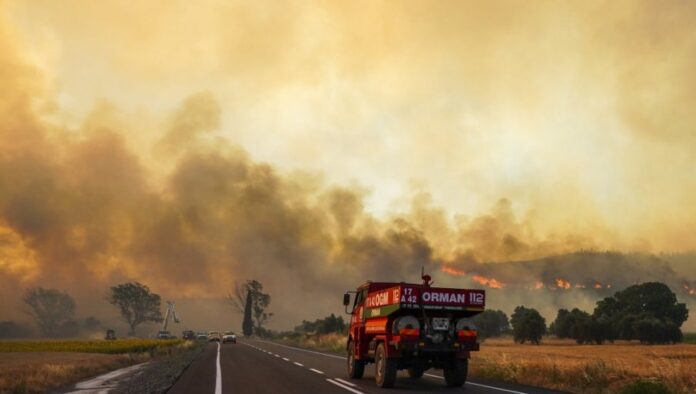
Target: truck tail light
column 466, row 335
column 409, row 332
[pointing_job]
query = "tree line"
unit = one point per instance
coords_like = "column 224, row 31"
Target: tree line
column 647, row 312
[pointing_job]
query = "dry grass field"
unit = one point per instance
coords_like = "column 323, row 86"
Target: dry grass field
column 38, row 372
column 39, row 366
column 564, row 365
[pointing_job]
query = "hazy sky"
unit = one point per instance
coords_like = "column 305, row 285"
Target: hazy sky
column 579, row 114
column 563, row 108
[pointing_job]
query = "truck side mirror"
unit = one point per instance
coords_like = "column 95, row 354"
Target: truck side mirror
column 346, row 299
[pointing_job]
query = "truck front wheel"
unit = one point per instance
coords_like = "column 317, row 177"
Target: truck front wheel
column 385, row 368
column 356, row 368
column 455, row 373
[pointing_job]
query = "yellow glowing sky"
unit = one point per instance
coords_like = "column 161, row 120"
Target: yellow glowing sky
column 580, row 113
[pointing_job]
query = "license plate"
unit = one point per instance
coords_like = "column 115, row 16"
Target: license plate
column 440, row 323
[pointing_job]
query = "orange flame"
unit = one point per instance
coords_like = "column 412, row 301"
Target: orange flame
column 563, row 284
column 538, row 285
column 597, row 285
column 490, row 282
column 452, row 271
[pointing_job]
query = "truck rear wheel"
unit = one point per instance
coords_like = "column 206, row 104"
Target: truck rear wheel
column 385, row 368
column 416, row 371
column 356, row 368
column 455, row 373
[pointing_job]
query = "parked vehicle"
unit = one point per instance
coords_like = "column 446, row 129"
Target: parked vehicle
column 213, row 336
column 188, row 334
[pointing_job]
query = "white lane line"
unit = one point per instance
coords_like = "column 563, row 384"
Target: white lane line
column 298, row 364
column 316, row 371
column 345, row 382
column 218, row 376
column 277, row 355
column 304, row 350
column 286, row 359
column 344, row 386
column 481, row 385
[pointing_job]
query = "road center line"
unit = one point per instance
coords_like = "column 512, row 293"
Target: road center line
column 286, row 359
column 481, row 385
column 317, row 371
column 218, row 375
column 344, row 386
column 298, row 364
column 303, row 350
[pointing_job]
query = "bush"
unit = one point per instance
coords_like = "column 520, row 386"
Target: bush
column 645, row 387
column 491, row 323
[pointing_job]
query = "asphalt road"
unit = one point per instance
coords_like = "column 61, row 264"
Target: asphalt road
column 253, row 366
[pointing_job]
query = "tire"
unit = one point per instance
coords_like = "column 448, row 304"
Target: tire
column 415, row 372
column 455, row 373
column 385, row 368
column 356, row 368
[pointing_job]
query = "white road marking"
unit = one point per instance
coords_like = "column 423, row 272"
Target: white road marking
column 286, row 359
column 218, row 376
column 345, row 382
column 298, row 364
column 481, row 385
column 304, row 350
column 343, row 358
column 317, row 371
column 277, row 355
column 344, row 386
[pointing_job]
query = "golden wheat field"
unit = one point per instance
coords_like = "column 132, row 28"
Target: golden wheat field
column 564, row 365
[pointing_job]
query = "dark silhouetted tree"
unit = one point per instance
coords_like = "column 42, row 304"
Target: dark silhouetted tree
column 136, row 304
column 259, row 301
column 52, row 310
column 248, row 324
column 527, row 325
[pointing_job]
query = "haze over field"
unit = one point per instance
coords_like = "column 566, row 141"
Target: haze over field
column 315, row 145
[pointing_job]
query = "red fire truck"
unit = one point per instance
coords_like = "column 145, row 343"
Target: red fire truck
column 414, row 327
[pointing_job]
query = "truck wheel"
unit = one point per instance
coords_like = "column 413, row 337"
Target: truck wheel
column 455, row 373
column 356, row 368
column 415, row 372
column 385, row 368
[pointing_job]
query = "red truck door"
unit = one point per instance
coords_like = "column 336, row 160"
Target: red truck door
column 357, row 323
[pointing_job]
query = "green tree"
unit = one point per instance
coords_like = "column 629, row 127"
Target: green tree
column 648, row 312
column 491, row 323
column 527, row 325
column 136, row 304
column 53, row 310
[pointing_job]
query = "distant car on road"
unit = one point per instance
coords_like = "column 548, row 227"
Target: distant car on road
column 229, row 337
column 202, row 336
column 213, row 336
column 188, row 334
column 165, row 335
